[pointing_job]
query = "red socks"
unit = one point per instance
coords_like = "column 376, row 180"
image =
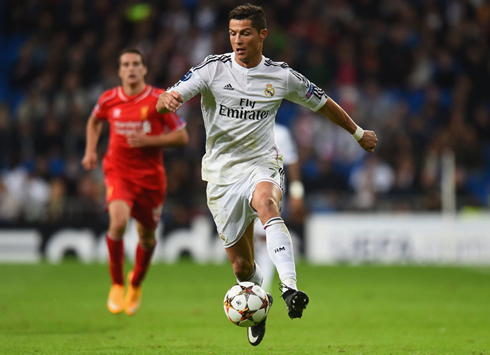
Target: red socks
column 142, row 263
column 116, row 260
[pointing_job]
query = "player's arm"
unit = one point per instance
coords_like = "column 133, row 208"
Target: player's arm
column 296, row 191
column 169, row 102
column 296, row 188
column 171, row 139
column 192, row 83
column 93, row 131
column 366, row 139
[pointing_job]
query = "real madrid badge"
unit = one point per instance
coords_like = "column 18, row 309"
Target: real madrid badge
column 269, row 90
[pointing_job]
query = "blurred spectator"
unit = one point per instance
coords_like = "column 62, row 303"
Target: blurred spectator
column 371, row 179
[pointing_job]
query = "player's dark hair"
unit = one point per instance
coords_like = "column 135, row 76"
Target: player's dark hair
column 250, row 12
column 134, row 50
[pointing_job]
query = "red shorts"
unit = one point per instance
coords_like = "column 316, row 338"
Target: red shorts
column 146, row 205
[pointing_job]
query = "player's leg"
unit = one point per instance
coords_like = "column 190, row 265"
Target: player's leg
column 119, row 212
column 144, row 252
column 262, row 255
column 234, row 218
column 241, row 256
column 146, row 210
column 265, row 201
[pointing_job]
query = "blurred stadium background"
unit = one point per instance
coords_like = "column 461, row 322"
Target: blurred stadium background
column 417, row 72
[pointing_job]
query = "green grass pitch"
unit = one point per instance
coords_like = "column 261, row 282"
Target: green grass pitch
column 60, row 309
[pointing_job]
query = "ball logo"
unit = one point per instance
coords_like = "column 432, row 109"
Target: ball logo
column 187, row 76
column 269, row 90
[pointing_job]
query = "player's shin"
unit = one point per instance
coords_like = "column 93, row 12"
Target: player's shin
column 263, row 259
column 280, row 248
column 142, row 263
column 116, row 259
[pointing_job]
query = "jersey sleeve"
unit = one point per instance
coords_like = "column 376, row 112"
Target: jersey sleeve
column 194, row 81
column 100, row 110
column 304, row 92
column 173, row 121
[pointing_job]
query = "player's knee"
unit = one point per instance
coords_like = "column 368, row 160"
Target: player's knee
column 118, row 224
column 148, row 242
column 267, row 204
column 243, row 269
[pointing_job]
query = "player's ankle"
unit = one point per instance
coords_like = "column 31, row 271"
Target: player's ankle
column 288, row 284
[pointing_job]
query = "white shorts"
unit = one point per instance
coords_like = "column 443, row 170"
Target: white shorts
column 230, row 205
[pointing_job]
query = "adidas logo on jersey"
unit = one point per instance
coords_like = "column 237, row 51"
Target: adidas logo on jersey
column 228, row 87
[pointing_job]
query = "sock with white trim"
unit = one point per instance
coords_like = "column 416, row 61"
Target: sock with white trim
column 280, row 248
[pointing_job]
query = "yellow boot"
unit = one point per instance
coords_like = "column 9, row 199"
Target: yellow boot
column 115, row 302
column 132, row 302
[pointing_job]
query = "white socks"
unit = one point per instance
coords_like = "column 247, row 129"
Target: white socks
column 280, row 248
column 262, row 258
column 256, row 277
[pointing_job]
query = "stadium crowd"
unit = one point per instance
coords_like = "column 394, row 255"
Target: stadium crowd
column 416, row 72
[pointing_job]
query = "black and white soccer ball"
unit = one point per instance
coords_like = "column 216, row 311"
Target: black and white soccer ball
column 246, row 304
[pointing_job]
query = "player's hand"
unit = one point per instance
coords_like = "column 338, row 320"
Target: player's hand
column 89, row 160
column 368, row 141
column 169, row 102
column 138, row 140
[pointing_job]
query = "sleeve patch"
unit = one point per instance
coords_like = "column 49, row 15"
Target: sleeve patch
column 311, row 90
column 187, row 76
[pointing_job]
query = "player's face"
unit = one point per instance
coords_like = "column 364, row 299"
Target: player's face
column 131, row 69
column 246, row 42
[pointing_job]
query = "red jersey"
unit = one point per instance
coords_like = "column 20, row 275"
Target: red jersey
column 134, row 114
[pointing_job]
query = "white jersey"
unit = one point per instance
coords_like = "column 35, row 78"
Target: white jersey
column 239, row 108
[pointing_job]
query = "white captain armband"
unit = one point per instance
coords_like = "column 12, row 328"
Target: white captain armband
column 358, row 134
column 296, row 189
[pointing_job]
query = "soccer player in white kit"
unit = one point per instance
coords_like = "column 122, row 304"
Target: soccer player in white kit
column 240, row 95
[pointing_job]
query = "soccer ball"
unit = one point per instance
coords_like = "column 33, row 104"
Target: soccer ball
column 246, row 304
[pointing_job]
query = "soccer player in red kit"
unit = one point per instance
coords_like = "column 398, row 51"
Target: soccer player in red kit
column 133, row 167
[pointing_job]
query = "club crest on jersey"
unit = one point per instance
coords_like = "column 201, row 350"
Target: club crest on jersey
column 144, row 113
column 269, row 90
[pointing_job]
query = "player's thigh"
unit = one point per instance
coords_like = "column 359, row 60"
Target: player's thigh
column 118, row 189
column 147, row 209
column 119, row 209
column 231, row 210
